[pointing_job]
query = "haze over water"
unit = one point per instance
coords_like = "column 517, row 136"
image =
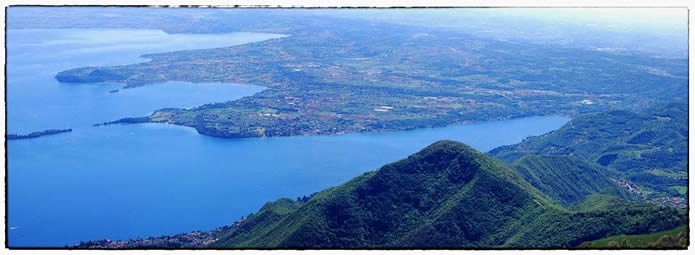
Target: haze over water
column 128, row 181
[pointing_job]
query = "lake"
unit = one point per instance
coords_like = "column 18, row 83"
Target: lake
column 129, row 181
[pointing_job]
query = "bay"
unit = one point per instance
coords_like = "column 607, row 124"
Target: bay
column 129, row 181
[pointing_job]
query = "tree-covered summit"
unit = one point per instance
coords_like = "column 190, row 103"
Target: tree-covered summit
column 446, row 195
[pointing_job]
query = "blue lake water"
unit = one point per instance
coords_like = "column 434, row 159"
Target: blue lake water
column 128, row 181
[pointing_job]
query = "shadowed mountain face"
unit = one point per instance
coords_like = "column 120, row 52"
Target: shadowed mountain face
column 447, row 195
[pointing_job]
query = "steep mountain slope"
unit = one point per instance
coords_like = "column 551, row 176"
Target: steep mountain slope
column 447, row 195
column 394, row 203
column 558, row 229
column 648, row 148
column 566, row 179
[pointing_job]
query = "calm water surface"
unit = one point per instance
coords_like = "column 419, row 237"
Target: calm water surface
column 128, row 181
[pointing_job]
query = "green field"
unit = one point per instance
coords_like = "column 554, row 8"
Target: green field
column 637, row 241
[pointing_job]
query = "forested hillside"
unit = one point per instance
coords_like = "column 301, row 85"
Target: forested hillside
column 677, row 237
column 447, row 195
column 566, row 179
column 647, row 149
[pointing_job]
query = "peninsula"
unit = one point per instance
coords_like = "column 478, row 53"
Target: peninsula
column 335, row 76
column 38, row 134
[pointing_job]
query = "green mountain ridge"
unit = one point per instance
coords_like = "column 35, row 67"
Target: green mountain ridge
column 426, row 186
column 447, row 195
column 567, row 179
column 648, row 148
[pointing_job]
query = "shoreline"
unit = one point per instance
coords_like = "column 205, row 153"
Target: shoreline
column 147, row 119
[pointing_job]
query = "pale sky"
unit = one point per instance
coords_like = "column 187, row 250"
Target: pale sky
column 644, row 17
